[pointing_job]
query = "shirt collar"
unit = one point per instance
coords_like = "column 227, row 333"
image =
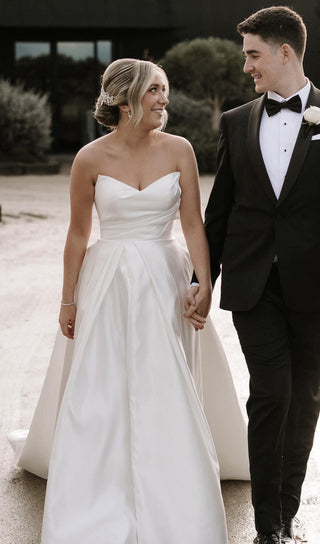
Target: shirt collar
column 303, row 93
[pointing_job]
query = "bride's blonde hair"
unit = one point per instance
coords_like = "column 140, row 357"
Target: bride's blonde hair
column 125, row 82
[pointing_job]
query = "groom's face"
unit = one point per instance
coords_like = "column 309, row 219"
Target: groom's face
column 264, row 62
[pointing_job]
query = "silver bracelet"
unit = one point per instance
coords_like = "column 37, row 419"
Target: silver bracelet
column 67, row 303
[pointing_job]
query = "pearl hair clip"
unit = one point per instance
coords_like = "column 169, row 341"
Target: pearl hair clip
column 106, row 97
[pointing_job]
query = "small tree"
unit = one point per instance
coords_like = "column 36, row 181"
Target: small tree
column 209, row 69
column 191, row 119
column 25, row 123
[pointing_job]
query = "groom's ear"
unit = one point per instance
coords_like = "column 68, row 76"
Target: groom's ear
column 286, row 52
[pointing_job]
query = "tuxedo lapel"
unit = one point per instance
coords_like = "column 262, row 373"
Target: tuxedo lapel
column 300, row 149
column 254, row 150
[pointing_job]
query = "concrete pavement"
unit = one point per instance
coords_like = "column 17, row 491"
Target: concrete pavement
column 32, row 233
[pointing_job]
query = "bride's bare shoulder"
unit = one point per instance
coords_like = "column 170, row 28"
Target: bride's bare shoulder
column 90, row 156
column 90, row 151
column 175, row 142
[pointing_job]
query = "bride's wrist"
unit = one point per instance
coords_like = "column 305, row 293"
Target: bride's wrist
column 65, row 303
column 205, row 287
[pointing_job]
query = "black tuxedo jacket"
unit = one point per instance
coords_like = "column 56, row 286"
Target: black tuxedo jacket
column 247, row 226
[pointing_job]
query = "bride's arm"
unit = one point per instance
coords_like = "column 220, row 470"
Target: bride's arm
column 81, row 202
column 193, row 230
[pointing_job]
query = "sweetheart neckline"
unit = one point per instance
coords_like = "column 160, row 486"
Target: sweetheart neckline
column 131, row 186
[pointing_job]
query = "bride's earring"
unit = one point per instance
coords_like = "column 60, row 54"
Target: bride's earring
column 129, row 114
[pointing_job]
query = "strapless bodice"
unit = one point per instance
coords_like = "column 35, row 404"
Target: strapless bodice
column 128, row 213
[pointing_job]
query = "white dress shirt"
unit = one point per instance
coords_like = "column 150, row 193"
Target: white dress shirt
column 278, row 135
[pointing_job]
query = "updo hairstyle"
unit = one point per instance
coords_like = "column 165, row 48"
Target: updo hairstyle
column 124, row 82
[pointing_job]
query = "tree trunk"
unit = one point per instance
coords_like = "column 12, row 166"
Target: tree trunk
column 216, row 111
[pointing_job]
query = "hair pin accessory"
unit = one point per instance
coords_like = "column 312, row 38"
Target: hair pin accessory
column 106, row 97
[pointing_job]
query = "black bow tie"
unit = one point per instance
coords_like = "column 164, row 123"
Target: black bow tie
column 273, row 106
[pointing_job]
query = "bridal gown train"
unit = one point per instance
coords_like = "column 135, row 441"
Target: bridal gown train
column 132, row 459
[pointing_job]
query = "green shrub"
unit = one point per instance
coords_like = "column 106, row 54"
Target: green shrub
column 209, row 69
column 192, row 120
column 25, row 123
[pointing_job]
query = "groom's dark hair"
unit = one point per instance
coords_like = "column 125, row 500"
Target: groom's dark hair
column 277, row 25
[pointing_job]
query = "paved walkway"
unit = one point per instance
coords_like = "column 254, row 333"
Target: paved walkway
column 32, row 233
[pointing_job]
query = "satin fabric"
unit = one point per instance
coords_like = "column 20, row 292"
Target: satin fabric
column 132, row 459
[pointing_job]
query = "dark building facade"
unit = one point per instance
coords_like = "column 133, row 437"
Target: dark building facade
column 62, row 46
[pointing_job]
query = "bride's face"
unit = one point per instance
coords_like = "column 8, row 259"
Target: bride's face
column 155, row 101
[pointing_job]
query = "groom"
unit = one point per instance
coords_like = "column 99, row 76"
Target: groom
column 263, row 226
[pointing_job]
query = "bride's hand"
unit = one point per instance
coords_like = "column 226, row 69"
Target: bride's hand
column 197, row 321
column 203, row 301
column 67, row 320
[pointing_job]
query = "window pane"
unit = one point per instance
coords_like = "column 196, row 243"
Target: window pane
column 32, row 64
column 76, row 50
column 104, row 52
column 31, row 49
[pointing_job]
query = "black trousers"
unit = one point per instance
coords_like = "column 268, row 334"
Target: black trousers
column 282, row 351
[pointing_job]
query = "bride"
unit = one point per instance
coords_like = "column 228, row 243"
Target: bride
column 121, row 416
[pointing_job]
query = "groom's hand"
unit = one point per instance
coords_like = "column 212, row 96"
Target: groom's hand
column 191, row 297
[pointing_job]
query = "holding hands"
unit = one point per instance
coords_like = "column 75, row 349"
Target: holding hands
column 197, row 306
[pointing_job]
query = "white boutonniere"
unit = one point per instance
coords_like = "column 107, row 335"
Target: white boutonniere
column 312, row 115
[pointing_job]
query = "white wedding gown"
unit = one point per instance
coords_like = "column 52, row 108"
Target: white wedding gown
column 132, row 459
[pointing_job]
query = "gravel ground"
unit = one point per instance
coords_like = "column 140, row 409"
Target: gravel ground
column 35, row 214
